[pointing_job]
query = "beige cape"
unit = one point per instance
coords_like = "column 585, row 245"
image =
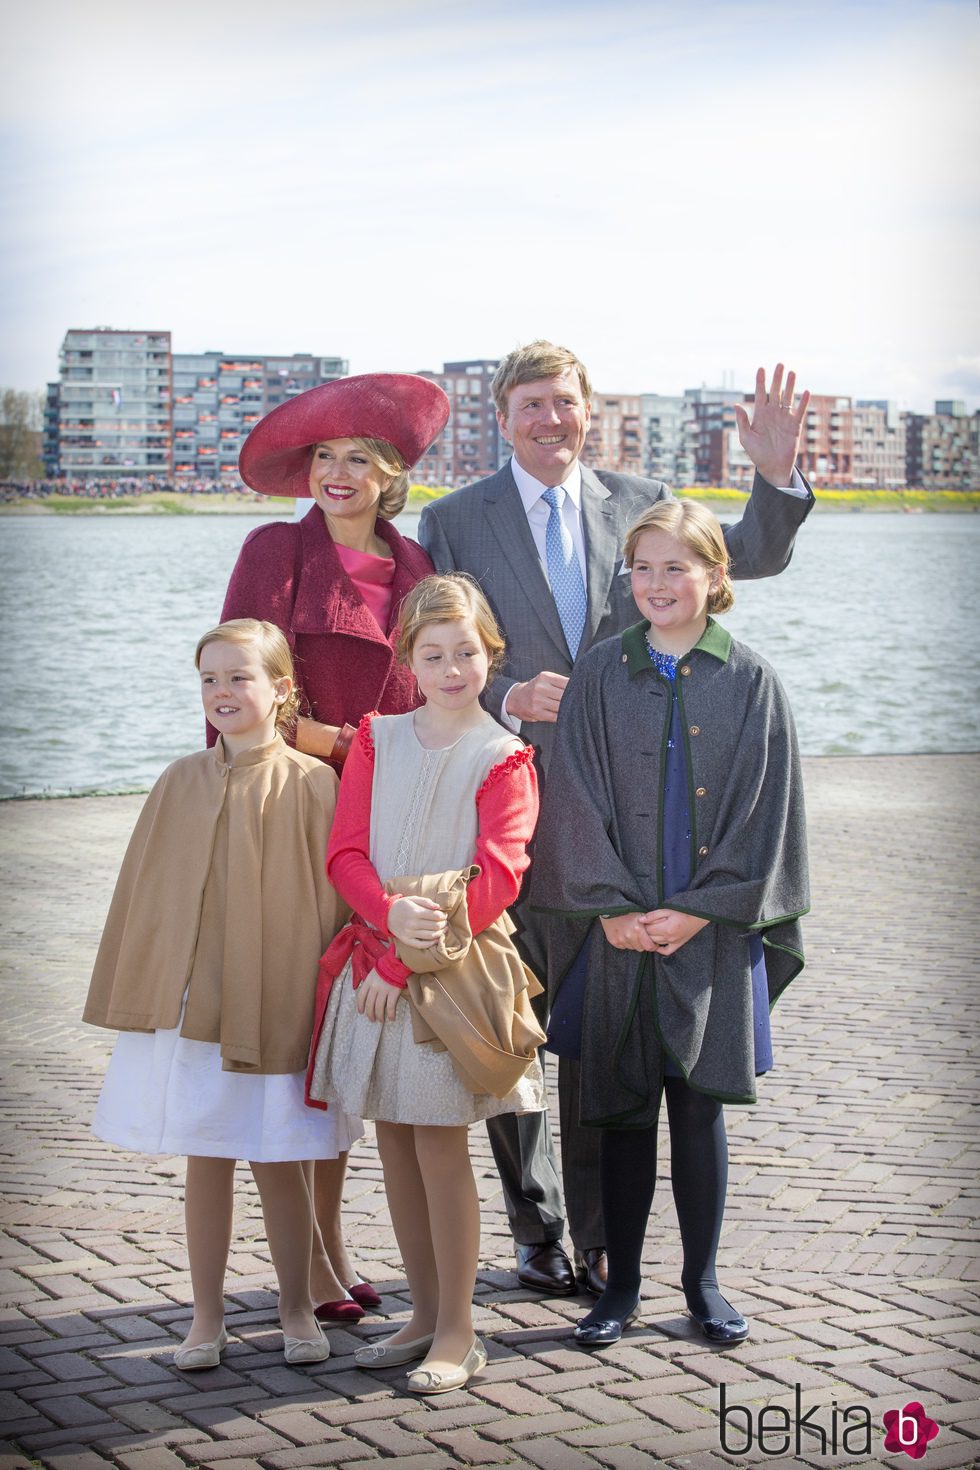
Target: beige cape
column 223, row 893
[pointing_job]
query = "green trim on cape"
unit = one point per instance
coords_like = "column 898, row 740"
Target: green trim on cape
column 715, row 640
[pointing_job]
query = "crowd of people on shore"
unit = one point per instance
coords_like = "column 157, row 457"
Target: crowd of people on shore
column 367, row 916
column 116, row 488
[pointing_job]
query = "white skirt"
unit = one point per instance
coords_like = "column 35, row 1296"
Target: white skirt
column 166, row 1094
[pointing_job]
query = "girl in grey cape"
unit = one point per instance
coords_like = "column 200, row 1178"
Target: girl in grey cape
column 672, row 853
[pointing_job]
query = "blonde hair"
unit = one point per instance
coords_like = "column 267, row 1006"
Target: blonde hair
column 699, row 530
column 447, row 598
column 390, row 462
column 273, row 651
column 540, row 359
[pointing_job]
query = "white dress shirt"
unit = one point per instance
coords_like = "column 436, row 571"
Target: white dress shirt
column 538, row 514
column 538, row 511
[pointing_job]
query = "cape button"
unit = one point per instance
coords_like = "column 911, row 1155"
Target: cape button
column 702, row 852
column 694, row 730
column 701, row 791
column 625, row 659
column 685, row 668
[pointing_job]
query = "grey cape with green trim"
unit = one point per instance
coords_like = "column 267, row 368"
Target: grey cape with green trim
column 598, row 851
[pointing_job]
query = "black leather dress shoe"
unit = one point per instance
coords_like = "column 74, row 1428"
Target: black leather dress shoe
column 727, row 1330
column 603, row 1334
column 590, row 1269
column 545, row 1267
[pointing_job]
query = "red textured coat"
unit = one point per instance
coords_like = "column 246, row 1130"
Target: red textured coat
column 290, row 574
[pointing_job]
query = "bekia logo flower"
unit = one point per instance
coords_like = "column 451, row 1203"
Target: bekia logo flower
column 909, row 1430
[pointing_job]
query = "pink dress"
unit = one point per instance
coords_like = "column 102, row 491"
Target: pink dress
column 373, row 577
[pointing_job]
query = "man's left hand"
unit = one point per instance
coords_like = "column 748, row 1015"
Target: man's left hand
column 771, row 437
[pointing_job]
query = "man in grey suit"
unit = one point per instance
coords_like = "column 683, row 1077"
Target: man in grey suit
column 544, row 539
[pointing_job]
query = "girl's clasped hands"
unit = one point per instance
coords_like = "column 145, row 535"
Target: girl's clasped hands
column 661, row 931
column 416, row 921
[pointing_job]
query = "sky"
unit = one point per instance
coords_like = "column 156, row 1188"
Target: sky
column 677, row 192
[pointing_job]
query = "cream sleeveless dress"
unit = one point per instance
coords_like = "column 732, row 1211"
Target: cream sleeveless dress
column 423, row 820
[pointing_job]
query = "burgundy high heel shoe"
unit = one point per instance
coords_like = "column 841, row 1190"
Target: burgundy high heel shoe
column 364, row 1294
column 346, row 1310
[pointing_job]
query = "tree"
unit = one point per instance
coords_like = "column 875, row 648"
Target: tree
column 20, row 435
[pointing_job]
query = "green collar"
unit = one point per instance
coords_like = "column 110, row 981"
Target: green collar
column 715, row 640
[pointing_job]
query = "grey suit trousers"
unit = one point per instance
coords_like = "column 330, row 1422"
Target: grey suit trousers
column 524, row 1153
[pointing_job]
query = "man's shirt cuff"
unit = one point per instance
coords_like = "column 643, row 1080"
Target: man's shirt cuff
column 509, row 721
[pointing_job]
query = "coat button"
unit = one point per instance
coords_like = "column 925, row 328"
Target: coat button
column 625, row 658
column 685, row 668
column 695, row 730
column 701, row 791
column 702, row 852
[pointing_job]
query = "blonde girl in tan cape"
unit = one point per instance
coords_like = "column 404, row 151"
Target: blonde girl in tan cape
column 208, row 967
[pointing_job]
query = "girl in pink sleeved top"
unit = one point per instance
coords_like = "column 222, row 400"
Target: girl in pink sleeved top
column 436, row 795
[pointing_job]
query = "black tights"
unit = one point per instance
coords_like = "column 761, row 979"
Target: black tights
column 699, row 1176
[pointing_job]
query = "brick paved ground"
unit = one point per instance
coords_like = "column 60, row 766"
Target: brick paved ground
column 850, row 1237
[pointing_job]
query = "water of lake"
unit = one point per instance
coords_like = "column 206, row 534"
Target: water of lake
column 875, row 616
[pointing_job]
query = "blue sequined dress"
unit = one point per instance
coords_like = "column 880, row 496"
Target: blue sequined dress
column 677, row 860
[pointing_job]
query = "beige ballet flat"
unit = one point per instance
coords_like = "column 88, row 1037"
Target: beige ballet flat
column 305, row 1349
column 204, row 1355
column 426, row 1380
column 388, row 1355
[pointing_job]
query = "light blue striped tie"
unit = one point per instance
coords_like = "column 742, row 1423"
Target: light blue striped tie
column 564, row 571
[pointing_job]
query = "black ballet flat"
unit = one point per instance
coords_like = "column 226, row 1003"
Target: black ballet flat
column 605, row 1333
column 726, row 1330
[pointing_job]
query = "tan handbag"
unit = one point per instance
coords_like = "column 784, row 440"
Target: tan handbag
column 471, row 995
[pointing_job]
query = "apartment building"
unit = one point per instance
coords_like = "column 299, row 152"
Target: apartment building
column 717, row 455
column 668, row 429
column 843, row 445
column 50, row 429
column 111, row 414
column 879, row 440
column 471, row 446
column 219, row 396
column 126, row 406
column 827, row 446
column 943, row 448
column 615, row 437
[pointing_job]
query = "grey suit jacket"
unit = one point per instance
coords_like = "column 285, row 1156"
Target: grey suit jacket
column 483, row 530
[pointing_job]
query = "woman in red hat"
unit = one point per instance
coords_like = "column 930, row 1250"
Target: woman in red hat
column 334, row 582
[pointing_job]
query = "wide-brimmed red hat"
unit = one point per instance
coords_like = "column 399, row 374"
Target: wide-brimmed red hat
column 406, row 410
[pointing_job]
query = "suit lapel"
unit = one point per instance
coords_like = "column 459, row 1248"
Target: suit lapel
column 506, row 517
column 602, row 550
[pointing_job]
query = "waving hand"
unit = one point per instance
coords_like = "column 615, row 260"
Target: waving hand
column 771, row 436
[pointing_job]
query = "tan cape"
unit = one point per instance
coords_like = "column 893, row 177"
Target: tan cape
column 471, row 995
column 223, row 893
